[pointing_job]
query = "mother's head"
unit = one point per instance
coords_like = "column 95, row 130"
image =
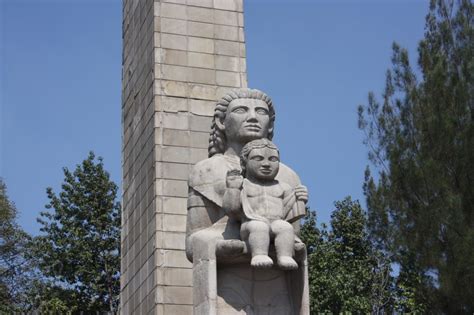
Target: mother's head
column 241, row 115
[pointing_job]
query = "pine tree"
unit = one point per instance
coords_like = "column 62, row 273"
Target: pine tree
column 79, row 250
column 421, row 142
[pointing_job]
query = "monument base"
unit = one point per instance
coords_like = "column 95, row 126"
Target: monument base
column 244, row 290
column 227, row 286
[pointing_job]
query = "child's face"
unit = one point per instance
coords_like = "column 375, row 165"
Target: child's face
column 263, row 164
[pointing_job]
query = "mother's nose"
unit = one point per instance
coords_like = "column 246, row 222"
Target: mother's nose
column 251, row 114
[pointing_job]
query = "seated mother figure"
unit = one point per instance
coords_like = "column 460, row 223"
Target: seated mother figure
column 240, row 116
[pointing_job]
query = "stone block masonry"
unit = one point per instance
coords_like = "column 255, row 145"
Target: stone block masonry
column 179, row 57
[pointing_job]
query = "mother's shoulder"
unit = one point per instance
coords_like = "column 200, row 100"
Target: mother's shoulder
column 287, row 175
column 212, row 170
column 208, row 170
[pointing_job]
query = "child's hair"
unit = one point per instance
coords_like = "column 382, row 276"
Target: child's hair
column 254, row 144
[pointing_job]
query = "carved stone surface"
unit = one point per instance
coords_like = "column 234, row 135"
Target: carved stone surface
column 179, row 58
column 243, row 214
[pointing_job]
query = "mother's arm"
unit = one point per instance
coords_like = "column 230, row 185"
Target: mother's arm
column 201, row 214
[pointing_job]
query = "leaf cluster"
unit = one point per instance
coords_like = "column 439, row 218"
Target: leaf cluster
column 13, row 264
column 346, row 273
column 79, row 250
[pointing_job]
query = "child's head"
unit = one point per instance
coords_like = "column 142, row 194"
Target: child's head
column 260, row 159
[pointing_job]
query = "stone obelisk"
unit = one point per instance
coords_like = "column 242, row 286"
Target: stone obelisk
column 179, row 57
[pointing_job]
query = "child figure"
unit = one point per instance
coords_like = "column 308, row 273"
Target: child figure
column 264, row 205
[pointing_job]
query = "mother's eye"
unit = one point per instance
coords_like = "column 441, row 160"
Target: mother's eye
column 239, row 110
column 262, row 111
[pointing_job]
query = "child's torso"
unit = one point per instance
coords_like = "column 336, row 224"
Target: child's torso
column 266, row 201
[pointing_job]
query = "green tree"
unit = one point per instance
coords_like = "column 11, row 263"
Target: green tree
column 14, row 267
column 421, row 143
column 79, row 251
column 346, row 273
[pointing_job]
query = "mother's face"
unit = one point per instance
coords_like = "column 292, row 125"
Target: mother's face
column 246, row 120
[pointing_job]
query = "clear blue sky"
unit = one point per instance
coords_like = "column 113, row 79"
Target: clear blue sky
column 60, row 87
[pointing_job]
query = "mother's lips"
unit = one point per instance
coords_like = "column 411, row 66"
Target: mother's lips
column 253, row 127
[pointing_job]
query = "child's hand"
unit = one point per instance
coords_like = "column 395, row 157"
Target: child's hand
column 234, row 179
column 301, row 193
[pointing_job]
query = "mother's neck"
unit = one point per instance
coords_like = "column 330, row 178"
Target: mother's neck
column 233, row 149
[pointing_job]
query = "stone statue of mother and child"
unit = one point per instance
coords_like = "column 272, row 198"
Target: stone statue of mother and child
column 244, row 207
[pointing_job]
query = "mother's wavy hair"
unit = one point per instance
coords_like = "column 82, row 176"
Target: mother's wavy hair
column 217, row 139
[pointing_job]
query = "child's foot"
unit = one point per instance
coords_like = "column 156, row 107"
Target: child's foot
column 261, row 261
column 287, row 263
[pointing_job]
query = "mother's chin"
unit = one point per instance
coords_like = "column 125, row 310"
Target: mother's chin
column 250, row 135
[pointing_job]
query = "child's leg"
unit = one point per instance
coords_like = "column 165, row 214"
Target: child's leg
column 284, row 244
column 257, row 235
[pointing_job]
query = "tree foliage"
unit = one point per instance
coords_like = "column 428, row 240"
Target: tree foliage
column 421, row 141
column 79, row 251
column 13, row 264
column 346, row 273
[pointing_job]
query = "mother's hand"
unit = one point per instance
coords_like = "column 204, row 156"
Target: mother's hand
column 301, row 193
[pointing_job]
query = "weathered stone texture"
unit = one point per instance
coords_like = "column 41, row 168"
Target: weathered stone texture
column 179, row 57
column 137, row 158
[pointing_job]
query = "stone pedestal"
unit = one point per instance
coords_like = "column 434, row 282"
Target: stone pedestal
column 225, row 284
column 243, row 290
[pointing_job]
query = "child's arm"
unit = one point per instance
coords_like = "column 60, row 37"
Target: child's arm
column 231, row 202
